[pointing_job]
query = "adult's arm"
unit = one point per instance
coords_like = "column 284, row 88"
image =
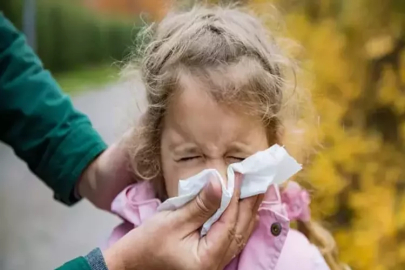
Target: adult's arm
column 38, row 121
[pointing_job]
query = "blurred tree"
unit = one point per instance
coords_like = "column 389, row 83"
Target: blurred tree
column 12, row 9
column 70, row 36
column 154, row 8
column 29, row 22
column 356, row 53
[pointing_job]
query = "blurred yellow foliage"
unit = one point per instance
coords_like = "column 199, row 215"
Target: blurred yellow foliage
column 354, row 52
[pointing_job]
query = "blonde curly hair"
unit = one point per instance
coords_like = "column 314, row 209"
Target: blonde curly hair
column 231, row 51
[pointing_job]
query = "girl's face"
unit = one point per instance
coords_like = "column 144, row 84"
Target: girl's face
column 199, row 133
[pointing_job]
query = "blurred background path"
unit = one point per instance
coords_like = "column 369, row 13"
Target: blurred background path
column 36, row 232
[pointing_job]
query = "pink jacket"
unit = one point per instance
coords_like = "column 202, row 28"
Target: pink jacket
column 272, row 246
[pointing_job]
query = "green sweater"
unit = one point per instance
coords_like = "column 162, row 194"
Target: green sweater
column 39, row 122
column 76, row 264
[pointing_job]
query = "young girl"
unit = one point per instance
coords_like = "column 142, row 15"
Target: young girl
column 217, row 94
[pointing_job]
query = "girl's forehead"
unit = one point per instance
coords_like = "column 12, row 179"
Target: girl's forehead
column 194, row 104
column 193, row 100
column 194, row 116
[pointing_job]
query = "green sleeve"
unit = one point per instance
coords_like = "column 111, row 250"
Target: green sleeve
column 38, row 121
column 79, row 263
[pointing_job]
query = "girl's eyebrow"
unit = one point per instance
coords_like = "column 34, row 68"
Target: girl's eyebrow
column 240, row 147
column 188, row 149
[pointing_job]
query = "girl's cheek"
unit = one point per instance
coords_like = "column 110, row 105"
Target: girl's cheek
column 171, row 183
column 174, row 174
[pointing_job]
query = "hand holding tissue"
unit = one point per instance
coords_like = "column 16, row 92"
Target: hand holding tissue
column 270, row 167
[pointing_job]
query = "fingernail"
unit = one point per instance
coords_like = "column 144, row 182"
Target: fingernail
column 214, row 189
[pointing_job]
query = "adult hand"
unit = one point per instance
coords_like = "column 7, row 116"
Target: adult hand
column 107, row 176
column 171, row 239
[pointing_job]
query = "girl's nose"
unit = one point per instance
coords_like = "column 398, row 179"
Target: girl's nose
column 221, row 166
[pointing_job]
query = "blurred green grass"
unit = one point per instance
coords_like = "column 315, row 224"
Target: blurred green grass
column 86, row 79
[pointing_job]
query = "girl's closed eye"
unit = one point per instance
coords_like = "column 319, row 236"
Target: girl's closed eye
column 186, row 159
column 233, row 159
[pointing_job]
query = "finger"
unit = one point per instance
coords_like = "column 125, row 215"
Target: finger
column 247, row 211
column 246, row 221
column 195, row 213
column 259, row 201
column 233, row 253
column 220, row 235
column 252, row 225
column 246, row 232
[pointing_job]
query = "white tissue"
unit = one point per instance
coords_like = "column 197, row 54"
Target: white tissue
column 265, row 168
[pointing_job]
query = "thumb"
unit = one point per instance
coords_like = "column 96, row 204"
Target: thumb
column 201, row 208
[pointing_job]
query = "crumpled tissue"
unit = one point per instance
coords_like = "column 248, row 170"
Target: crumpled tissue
column 269, row 167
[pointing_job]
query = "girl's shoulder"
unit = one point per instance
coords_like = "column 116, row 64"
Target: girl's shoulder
column 299, row 253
